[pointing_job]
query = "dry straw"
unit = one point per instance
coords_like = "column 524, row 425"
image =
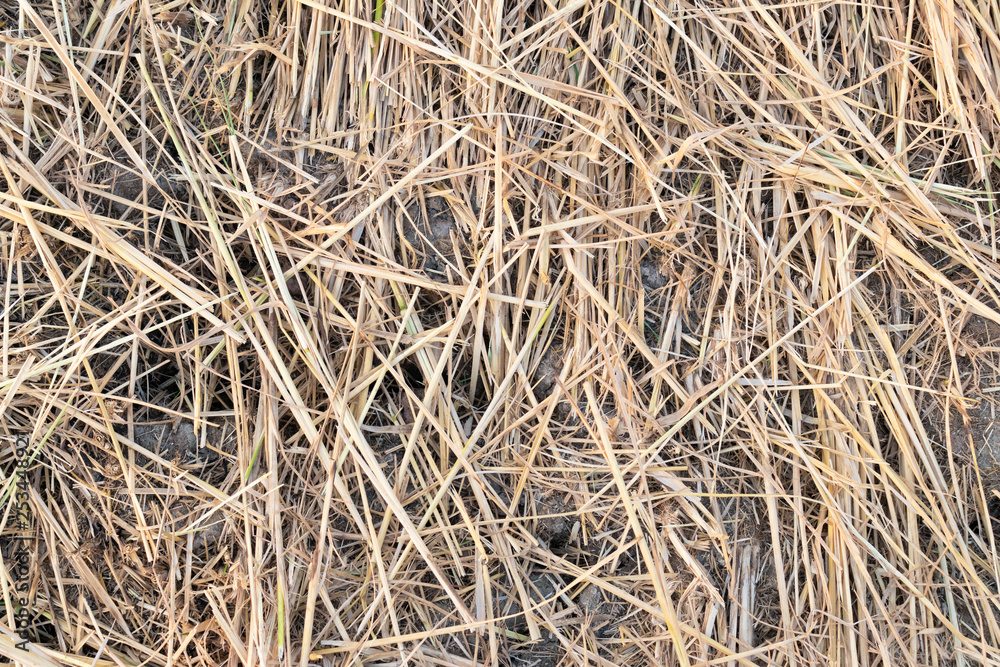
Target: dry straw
column 554, row 332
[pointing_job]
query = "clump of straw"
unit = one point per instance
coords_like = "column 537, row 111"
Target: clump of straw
column 481, row 333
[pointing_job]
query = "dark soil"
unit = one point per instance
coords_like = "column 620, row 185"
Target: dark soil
column 547, row 372
column 125, row 182
column 185, row 518
column 767, row 608
column 541, row 587
column 269, row 159
column 177, row 441
column 979, row 429
column 552, row 529
column 654, row 271
column 655, row 276
column 543, row 653
column 429, row 229
column 983, row 428
column 169, row 441
column 981, row 332
column 602, row 613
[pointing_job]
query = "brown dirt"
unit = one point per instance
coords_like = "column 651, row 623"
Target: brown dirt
column 767, row 607
column 591, row 599
column 543, row 653
column 654, row 271
column 603, row 614
column 981, row 332
column 188, row 517
column 268, row 158
column 983, row 430
column 177, row 441
column 540, row 587
column 125, row 182
column 978, row 431
column 547, row 372
column 553, row 529
column 430, row 235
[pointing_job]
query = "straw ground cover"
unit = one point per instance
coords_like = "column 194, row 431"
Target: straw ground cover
column 478, row 333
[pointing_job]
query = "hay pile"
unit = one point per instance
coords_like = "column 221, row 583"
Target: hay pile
column 478, row 333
